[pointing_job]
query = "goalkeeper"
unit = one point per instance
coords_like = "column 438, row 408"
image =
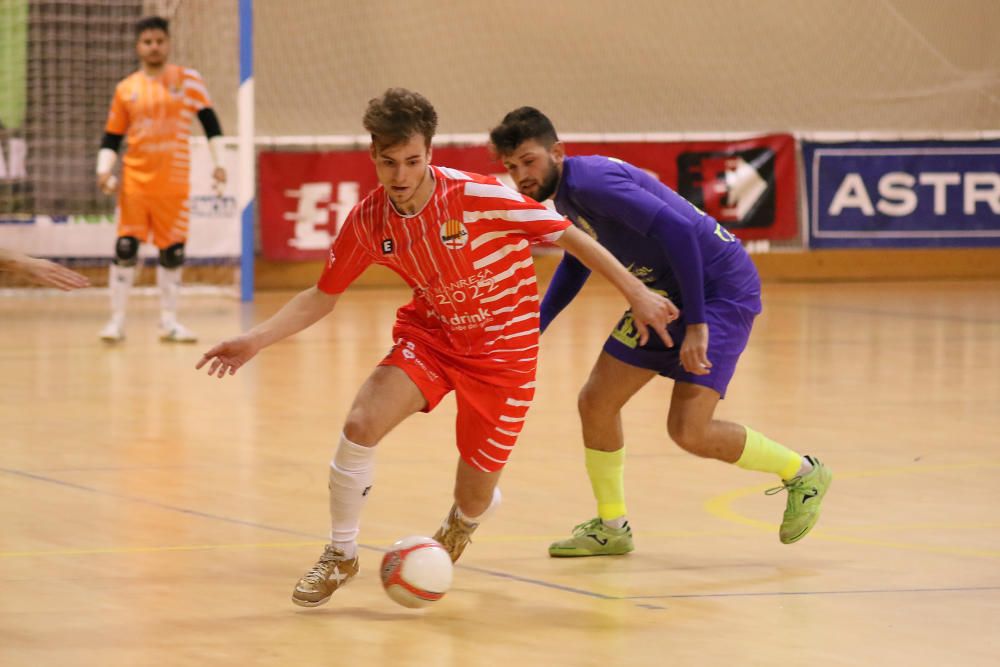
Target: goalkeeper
column 154, row 106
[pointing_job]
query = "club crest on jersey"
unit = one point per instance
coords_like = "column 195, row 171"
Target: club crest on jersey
column 454, row 235
column 388, row 246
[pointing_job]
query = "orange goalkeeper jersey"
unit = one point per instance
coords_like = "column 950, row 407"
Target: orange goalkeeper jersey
column 156, row 114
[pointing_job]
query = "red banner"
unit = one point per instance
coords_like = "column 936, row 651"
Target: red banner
column 749, row 186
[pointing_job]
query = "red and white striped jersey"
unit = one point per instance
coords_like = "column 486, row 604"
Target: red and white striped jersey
column 466, row 255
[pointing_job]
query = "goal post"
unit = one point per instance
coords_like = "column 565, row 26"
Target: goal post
column 60, row 61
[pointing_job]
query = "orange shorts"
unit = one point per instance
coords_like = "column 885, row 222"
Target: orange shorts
column 166, row 217
column 490, row 417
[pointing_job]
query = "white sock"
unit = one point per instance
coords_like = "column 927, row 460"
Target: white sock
column 805, row 468
column 169, row 282
column 618, row 523
column 351, row 473
column 120, row 281
column 494, row 503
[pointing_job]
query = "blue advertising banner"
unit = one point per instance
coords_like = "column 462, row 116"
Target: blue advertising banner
column 902, row 193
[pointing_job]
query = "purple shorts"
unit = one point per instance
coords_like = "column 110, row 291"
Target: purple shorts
column 729, row 324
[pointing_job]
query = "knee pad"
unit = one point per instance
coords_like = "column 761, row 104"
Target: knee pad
column 126, row 251
column 172, row 257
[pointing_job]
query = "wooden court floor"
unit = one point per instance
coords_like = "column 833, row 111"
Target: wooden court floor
column 151, row 515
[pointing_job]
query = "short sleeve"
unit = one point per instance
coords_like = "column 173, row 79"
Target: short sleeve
column 611, row 193
column 348, row 258
column 494, row 205
column 118, row 119
column 195, row 90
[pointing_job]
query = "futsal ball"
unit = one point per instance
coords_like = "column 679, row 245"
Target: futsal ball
column 416, row 571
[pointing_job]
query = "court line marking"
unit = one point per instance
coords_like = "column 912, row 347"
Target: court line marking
column 861, row 591
column 380, row 545
column 154, row 503
column 855, row 310
column 720, row 506
column 493, row 573
column 111, row 551
column 241, row 522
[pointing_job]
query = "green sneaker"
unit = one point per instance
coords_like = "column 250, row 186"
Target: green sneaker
column 805, row 499
column 593, row 538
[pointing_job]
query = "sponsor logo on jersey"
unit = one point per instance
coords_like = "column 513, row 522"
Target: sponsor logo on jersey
column 454, row 235
column 387, row 246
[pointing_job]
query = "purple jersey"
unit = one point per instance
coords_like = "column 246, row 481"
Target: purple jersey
column 618, row 205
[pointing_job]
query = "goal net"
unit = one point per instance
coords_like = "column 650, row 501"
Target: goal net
column 59, row 63
column 659, row 72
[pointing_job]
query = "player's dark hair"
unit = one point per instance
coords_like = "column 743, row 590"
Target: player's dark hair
column 397, row 115
column 151, row 23
column 520, row 125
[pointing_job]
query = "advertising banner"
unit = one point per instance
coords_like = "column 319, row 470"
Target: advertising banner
column 903, row 193
column 214, row 232
column 749, row 186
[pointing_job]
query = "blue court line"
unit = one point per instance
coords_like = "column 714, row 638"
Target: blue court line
column 539, row 582
column 153, row 503
column 252, row 524
column 297, row 533
column 486, row 571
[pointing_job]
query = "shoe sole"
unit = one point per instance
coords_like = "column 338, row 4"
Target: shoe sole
column 186, row 341
column 306, row 603
column 585, row 554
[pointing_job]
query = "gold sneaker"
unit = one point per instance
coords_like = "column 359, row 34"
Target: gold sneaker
column 455, row 534
column 332, row 571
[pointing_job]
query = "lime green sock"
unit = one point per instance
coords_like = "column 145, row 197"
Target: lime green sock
column 765, row 455
column 607, row 478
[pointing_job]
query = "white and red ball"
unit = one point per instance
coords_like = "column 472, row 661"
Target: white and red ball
column 416, row 571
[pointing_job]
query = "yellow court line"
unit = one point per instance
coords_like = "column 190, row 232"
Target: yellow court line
column 141, row 550
column 721, row 506
column 927, row 525
column 287, row 545
column 499, row 539
column 917, row 468
column 954, row 551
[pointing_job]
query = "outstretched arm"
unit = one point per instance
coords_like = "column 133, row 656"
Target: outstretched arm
column 304, row 310
column 41, row 271
column 648, row 308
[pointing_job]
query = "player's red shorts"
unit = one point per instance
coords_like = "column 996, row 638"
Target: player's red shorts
column 166, row 217
column 490, row 417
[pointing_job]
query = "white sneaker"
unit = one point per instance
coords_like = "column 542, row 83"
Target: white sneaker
column 113, row 332
column 177, row 333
